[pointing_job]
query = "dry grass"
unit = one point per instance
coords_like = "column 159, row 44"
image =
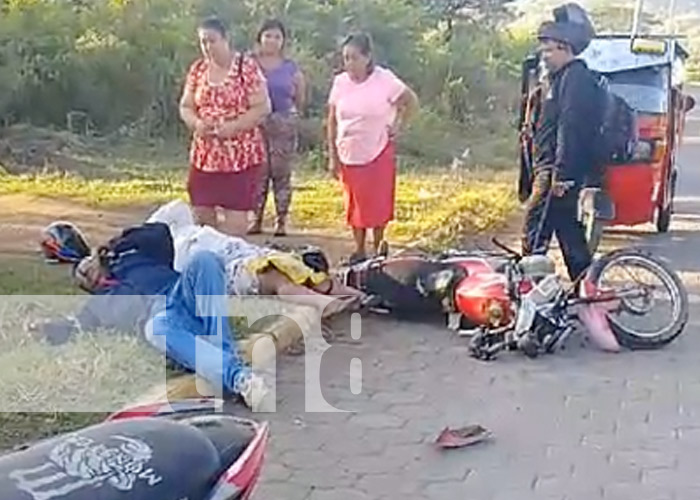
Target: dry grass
column 433, row 207
column 47, row 389
column 95, row 372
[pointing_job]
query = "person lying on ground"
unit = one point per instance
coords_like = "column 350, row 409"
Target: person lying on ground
column 250, row 269
column 257, row 270
column 183, row 314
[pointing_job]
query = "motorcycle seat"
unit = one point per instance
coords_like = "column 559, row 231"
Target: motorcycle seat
column 413, row 285
column 134, row 459
column 229, row 436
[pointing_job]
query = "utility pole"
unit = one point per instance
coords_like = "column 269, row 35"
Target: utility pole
column 672, row 16
column 637, row 18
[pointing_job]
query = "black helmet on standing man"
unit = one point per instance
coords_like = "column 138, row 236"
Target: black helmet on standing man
column 571, row 26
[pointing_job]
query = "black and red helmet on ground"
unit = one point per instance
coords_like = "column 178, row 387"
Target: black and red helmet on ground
column 63, row 242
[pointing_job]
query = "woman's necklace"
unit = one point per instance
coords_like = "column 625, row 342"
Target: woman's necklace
column 222, row 70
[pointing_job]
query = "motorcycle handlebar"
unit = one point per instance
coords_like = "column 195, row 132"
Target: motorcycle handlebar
column 506, row 248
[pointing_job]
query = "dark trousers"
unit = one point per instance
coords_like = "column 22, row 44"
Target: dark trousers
column 548, row 215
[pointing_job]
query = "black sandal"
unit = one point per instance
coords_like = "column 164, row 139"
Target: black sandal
column 356, row 258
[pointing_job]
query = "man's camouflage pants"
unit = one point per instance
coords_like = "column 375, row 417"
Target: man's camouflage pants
column 547, row 215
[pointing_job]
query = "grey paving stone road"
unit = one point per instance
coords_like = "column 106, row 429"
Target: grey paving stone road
column 578, row 425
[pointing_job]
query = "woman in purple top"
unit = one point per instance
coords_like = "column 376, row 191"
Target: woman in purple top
column 287, row 91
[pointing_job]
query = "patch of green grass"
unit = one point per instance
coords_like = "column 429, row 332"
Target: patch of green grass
column 95, row 372
column 23, row 427
column 30, row 276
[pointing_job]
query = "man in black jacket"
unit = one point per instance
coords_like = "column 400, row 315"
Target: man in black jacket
column 564, row 140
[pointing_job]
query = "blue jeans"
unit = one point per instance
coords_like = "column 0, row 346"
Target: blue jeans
column 192, row 328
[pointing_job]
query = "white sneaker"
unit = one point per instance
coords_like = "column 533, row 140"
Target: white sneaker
column 254, row 392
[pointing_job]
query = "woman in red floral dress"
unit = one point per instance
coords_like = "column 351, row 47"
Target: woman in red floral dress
column 224, row 102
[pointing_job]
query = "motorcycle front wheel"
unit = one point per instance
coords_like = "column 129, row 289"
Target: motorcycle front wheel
column 643, row 315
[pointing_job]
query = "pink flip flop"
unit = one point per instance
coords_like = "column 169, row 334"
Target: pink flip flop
column 464, row 436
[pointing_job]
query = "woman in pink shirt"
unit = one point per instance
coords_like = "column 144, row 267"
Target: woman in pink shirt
column 367, row 106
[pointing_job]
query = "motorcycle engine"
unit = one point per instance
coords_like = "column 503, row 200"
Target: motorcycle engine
column 544, row 328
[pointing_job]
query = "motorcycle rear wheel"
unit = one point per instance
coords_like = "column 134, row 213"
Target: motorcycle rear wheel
column 630, row 336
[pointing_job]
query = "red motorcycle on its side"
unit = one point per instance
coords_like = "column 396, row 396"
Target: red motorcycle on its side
column 504, row 300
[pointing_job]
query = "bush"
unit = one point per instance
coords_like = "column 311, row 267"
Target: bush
column 122, row 63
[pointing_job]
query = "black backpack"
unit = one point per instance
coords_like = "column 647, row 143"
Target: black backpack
column 618, row 131
column 151, row 240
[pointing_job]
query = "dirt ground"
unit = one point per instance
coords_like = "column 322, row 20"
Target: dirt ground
column 22, row 218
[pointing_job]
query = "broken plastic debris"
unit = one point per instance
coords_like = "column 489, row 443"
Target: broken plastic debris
column 464, row 436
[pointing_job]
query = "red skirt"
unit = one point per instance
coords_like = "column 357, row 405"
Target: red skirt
column 229, row 190
column 369, row 191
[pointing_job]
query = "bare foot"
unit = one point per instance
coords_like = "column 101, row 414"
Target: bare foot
column 340, row 305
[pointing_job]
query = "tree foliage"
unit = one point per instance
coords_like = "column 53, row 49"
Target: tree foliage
column 617, row 17
column 122, row 62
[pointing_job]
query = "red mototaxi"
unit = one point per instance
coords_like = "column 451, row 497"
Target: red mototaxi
column 649, row 73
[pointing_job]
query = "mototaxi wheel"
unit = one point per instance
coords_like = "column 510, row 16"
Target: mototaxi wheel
column 663, row 220
column 629, row 318
column 595, row 207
